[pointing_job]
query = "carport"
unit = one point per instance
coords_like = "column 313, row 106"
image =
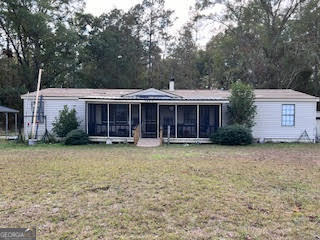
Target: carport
column 6, row 111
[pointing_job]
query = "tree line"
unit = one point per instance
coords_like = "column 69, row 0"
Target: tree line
column 267, row 43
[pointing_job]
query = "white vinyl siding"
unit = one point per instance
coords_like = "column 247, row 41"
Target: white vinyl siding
column 268, row 121
column 224, row 113
column 51, row 111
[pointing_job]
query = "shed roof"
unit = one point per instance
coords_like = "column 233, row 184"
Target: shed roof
column 7, row 110
column 214, row 94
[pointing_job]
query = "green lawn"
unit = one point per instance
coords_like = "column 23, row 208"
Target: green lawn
column 171, row 192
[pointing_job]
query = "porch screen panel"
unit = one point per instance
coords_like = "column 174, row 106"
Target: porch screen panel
column 187, row 121
column 119, row 120
column 208, row 120
column 134, row 117
column 91, row 119
column 97, row 120
column 167, row 117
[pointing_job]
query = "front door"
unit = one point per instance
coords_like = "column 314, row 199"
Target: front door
column 149, row 120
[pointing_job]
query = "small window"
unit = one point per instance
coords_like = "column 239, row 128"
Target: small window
column 40, row 111
column 288, row 115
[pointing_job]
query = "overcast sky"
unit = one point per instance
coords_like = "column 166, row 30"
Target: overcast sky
column 181, row 8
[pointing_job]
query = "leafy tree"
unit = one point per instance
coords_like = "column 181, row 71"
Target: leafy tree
column 154, row 21
column 184, row 56
column 36, row 34
column 268, row 44
column 10, row 83
column 223, row 61
column 306, row 37
column 112, row 55
column 65, row 122
column 259, row 43
column 242, row 109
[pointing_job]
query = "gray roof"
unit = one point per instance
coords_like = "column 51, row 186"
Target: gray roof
column 214, row 94
column 7, row 110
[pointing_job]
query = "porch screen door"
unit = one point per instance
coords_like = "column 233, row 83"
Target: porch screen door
column 149, row 120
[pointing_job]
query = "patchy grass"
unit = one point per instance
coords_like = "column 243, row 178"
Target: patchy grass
column 171, row 192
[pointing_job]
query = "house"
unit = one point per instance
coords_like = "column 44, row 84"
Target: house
column 186, row 116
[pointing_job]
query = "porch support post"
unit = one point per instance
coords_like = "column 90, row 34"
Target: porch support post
column 220, row 115
column 140, row 116
column 108, row 122
column 87, row 117
column 176, row 120
column 130, row 120
column 16, row 123
column 198, row 120
column 158, row 127
column 6, row 124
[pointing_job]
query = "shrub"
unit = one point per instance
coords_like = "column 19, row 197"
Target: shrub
column 233, row 135
column 66, row 122
column 76, row 137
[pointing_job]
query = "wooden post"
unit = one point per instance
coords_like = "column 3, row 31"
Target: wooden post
column 16, row 124
column 161, row 135
column 168, row 134
column 36, row 106
column 136, row 135
column 6, row 124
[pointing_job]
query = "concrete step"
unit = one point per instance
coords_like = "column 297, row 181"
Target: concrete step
column 149, row 142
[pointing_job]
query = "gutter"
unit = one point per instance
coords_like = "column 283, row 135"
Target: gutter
column 173, row 101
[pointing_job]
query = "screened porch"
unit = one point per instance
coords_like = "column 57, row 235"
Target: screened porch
column 119, row 120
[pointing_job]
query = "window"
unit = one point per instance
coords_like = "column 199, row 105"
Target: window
column 288, row 115
column 40, row 111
